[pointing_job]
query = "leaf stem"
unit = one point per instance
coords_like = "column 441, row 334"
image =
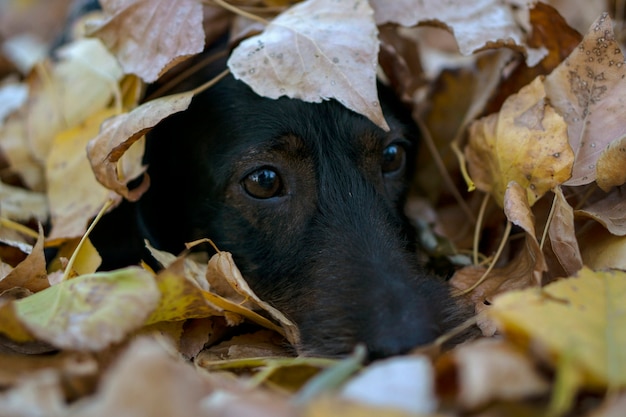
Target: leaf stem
column 507, row 232
column 445, row 175
column 478, row 228
column 240, row 12
column 18, row 227
column 70, row 263
column 548, row 221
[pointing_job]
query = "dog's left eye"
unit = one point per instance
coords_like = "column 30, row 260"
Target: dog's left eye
column 393, row 158
column 263, row 183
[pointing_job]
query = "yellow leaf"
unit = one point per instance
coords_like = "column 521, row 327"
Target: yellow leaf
column 89, row 312
column 525, row 142
column 74, row 194
column 222, row 267
column 87, row 261
column 181, row 298
column 611, row 162
column 582, row 319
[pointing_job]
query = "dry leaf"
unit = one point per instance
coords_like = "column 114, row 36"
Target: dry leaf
column 402, row 383
column 591, row 303
column 181, row 298
column 82, row 83
column 31, row 272
column 525, row 270
column 587, row 89
column 526, row 142
column 222, row 266
column 610, row 166
column 147, row 381
column 89, row 312
column 602, row 250
column 148, row 37
column 476, row 25
column 119, row 133
column 549, row 30
column 74, row 196
column 491, row 369
column 609, row 211
column 563, row 235
column 22, row 205
column 314, row 51
column 12, row 97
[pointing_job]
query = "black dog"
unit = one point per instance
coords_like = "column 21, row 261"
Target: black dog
column 309, row 200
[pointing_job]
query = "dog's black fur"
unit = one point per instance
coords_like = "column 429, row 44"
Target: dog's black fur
column 309, row 200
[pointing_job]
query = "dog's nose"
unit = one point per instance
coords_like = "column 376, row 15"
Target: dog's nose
column 399, row 325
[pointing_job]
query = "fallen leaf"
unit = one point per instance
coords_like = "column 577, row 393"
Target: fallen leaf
column 222, row 266
column 314, row 51
column 148, row 37
column 22, row 205
column 592, row 303
column 587, row 90
column 38, row 396
column 485, row 370
column 74, row 203
column 89, row 312
column 526, row 142
column 609, row 211
column 601, row 250
column 31, row 272
column 476, row 25
column 610, row 166
column 562, row 234
column 83, row 82
column 523, row 271
column 12, row 97
column 549, row 30
column 181, row 298
column 118, row 134
column 22, row 161
column 402, row 383
column 146, row 380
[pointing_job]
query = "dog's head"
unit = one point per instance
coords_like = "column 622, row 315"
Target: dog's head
column 309, row 200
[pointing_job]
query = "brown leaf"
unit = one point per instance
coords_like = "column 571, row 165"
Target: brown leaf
column 587, row 89
column 485, row 370
column 222, row 267
column 31, row 272
column 563, row 235
column 602, row 250
column 549, row 30
column 147, row 381
column 22, row 205
column 475, row 25
column 119, row 133
column 525, row 270
column 314, row 51
column 148, row 37
column 609, row 211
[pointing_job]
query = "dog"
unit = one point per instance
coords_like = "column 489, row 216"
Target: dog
column 308, row 197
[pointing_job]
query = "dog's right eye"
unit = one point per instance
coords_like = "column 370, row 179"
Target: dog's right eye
column 263, row 183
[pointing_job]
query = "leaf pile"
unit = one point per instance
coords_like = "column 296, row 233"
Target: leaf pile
column 520, row 187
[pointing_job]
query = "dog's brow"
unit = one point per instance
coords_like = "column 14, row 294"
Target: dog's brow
column 290, row 143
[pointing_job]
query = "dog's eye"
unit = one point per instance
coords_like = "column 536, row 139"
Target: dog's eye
column 393, row 159
column 263, row 183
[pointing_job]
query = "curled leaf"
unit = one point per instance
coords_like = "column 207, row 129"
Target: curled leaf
column 119, row 133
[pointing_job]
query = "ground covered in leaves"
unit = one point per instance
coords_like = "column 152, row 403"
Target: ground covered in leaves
column 520, row 186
